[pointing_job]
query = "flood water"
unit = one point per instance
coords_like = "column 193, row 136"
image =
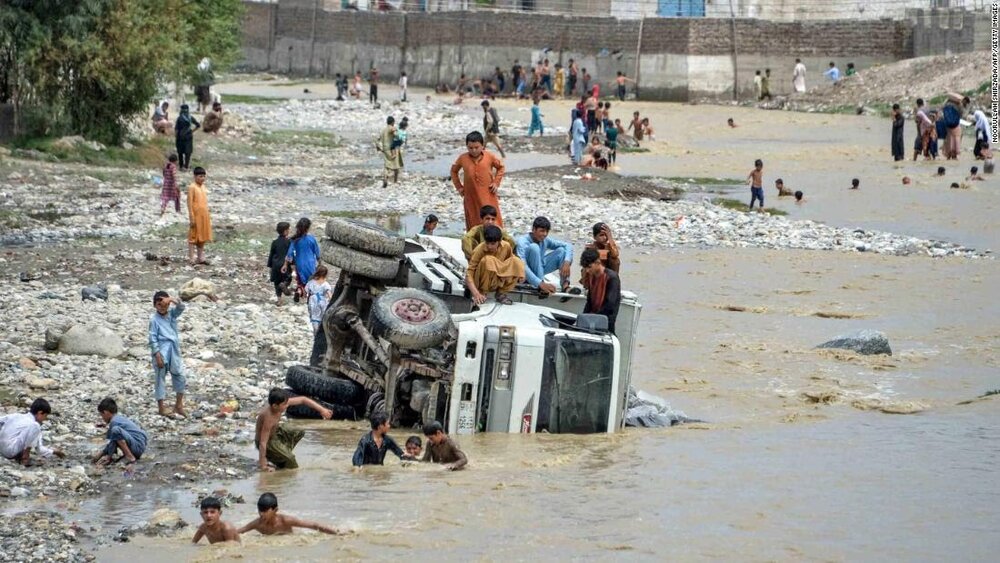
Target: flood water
column 726, row 336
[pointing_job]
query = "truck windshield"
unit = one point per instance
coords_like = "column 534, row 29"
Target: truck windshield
column 576, row 386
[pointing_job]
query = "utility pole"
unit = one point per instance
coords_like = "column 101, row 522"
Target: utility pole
column 638, row 54
column 732, row 35
column 312, row 38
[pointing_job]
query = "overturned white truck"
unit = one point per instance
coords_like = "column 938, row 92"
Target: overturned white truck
column 402, row 335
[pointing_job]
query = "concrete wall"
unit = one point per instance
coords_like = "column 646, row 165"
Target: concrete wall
column 679, row 58
column 947, row 31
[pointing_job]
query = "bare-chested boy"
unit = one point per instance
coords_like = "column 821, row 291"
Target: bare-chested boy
column 212, row 526
column 275, row 442
column 756, row 181
column 269, row 522
column 636, row 126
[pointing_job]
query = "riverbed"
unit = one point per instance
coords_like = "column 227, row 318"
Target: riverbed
column 797, row 457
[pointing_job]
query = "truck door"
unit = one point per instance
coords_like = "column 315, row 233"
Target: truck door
column 496, row 379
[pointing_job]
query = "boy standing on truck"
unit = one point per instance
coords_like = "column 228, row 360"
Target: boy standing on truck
column 275, row 442
column 442, row 449
column 493, row 267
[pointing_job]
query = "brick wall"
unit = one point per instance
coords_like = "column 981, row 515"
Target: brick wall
column 439, row 46
column 257, row 25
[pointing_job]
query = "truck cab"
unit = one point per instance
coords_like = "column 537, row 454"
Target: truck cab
column 530, row 366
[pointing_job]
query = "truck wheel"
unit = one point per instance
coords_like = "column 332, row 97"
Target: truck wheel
column 358, row 262
column 340, row 412
column 376, row 403
column 410, row 318
column 323, row 385
column 364, row 236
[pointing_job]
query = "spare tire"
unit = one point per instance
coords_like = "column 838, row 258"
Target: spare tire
column 340, row 412
column 364, row 236
column 357, row 262
column 324, row 385
column 410, row 318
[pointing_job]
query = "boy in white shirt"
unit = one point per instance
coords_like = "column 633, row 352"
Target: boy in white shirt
column 20, row 432
column 402, row 86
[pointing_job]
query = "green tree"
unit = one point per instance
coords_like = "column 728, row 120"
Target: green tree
column 206, row 28
column 96, row 64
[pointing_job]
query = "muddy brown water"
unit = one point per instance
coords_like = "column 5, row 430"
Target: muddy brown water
column 771, row 476
column 727, row 336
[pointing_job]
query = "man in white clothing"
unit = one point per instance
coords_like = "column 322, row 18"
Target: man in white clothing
column 799, row 76
column 21, row 432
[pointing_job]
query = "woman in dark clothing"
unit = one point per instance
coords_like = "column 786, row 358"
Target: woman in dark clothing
column 185, row 136
column 897, row 133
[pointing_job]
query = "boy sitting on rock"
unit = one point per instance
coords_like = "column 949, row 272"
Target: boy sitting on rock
column 123, row 435
column 269, row 522
column 275, row 442
column 212, row 525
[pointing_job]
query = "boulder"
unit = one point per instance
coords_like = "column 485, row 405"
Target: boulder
column 53, row 334
column 196, row 287
column 46, row 383
column 91, row 340
column 866, row 342
column 94, row 292
column 166, row 518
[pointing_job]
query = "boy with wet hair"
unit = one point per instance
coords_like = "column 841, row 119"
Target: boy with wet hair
column 442, row 449
column 855, row 184
column 212, row 526
column 123, row 436
column 22, row 432
column 798, row 197
column 274, row 441
column 779, row 184
column 413, row 446
column 756, row 182
column 270, row 523
column 165, row 347
column 974, row 175
column 373, row 446
column 276, row 260
column 940, row 171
